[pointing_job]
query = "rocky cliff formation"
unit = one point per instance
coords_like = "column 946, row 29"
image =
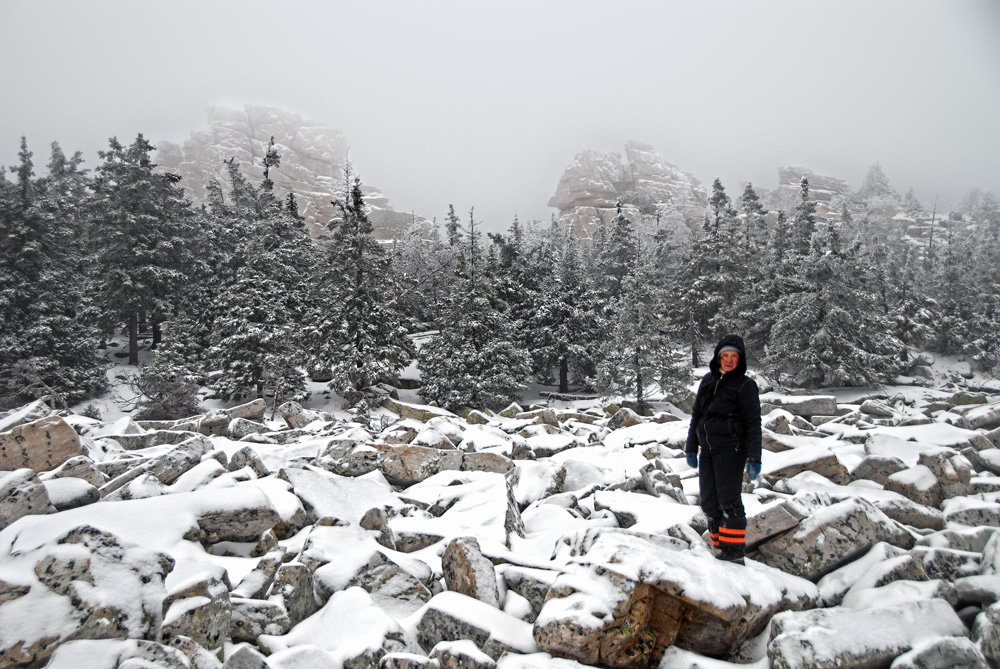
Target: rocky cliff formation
column 829, row 193
column 312, row 163
column 645, row 182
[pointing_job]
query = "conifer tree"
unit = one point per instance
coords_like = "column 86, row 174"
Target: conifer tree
column 803, row 224
column 169, row 385
column 830, row 332
column 256, row 340
column 143, row 231
column 753, row 214
column 48, row 339
column 476, row 359
column 562, row 327
column 360, row 335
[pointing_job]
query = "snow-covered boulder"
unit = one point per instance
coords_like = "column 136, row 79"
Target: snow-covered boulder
column 972, row 512
column 877, row 468
column 292, row 588
column 22, row 493
column 627, row 597
column 78, row 467
column 297, row 417
column 350, row 629
column 772, row 519
column 200, row 610
column 817, row 459
column 40, row 445
column 250, row 618
column 943, row 652
column 984, row 417
column 86, row 584
column 451, row 616
column 480, row 504
column 70, row 493
column 462, row 653
column 802, row 405
column 916, row 483
column 831, row 537
column 114, row 653
column 468, row 571
column 952, row 470
column 840, row 637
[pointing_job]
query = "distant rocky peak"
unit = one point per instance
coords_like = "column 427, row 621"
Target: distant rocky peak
column 313, row 158
column 646, row 183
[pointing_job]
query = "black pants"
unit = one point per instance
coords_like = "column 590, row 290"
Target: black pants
column 720, row 479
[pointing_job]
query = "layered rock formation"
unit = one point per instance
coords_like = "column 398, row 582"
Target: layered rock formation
column 313, row 157
column 646, row 183
column 829, row 193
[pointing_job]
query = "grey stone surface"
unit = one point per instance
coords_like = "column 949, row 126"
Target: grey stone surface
column 830, row 538
column 469, row 572
column 40, row 445
column 839, row 637
column 22, row 493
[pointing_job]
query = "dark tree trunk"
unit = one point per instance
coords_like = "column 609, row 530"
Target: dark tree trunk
column 640, row 405
column 157, row 334
column 133, row 338
column 563, row 375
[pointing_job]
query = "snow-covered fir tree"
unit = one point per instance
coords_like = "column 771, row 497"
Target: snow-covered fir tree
column 475, row 360
column 256, row 341
column 358, row 334
column 48, row 334
column 563, row 326
column 830, row 331
column 144, row 233
column 169, row 384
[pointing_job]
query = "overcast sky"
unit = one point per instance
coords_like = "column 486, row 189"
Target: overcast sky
column 485, row 104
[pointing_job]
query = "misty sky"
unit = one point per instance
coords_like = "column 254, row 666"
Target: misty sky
column 485, row 104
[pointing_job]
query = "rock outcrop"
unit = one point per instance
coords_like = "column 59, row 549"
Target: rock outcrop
column 313, row 157
column 646, row 184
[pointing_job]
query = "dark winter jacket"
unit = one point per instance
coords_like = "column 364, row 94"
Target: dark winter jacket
column 726, row 412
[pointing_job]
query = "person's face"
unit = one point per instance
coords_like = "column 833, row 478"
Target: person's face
column 728, row 361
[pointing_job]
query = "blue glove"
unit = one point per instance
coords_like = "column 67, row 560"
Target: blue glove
column 753, row 470
column 692, row 458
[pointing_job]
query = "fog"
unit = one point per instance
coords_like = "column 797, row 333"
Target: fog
column 476, row 104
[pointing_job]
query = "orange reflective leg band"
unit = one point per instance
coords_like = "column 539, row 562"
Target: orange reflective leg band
column 731, row 536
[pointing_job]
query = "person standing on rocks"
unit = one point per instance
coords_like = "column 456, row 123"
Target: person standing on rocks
column 725, row 425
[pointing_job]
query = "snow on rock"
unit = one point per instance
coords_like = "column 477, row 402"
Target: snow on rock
column 479, row 504
column 350, row 628
column 451, row 616
column 113, row 653
column 627, row 597
column 39, row 445
column 86, row 583
column 813, row 457
column 22, row 493
column 468, row 571
column 831, row 537
column 951, row 651
column 839, row 637
column 802, row 405
column 341, row 534
column 327, row 495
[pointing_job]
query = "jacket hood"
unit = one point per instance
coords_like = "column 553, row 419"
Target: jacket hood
column 730, row 340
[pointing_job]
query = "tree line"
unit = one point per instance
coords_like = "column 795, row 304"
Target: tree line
column 236, row 296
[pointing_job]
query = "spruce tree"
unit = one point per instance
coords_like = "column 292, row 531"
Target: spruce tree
column 48, row 338
column 169, row 384
column 830, row 331
column 563, row 327
column 476, row 359
column 143, row 232
column 256, row 340
column 359, row 334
